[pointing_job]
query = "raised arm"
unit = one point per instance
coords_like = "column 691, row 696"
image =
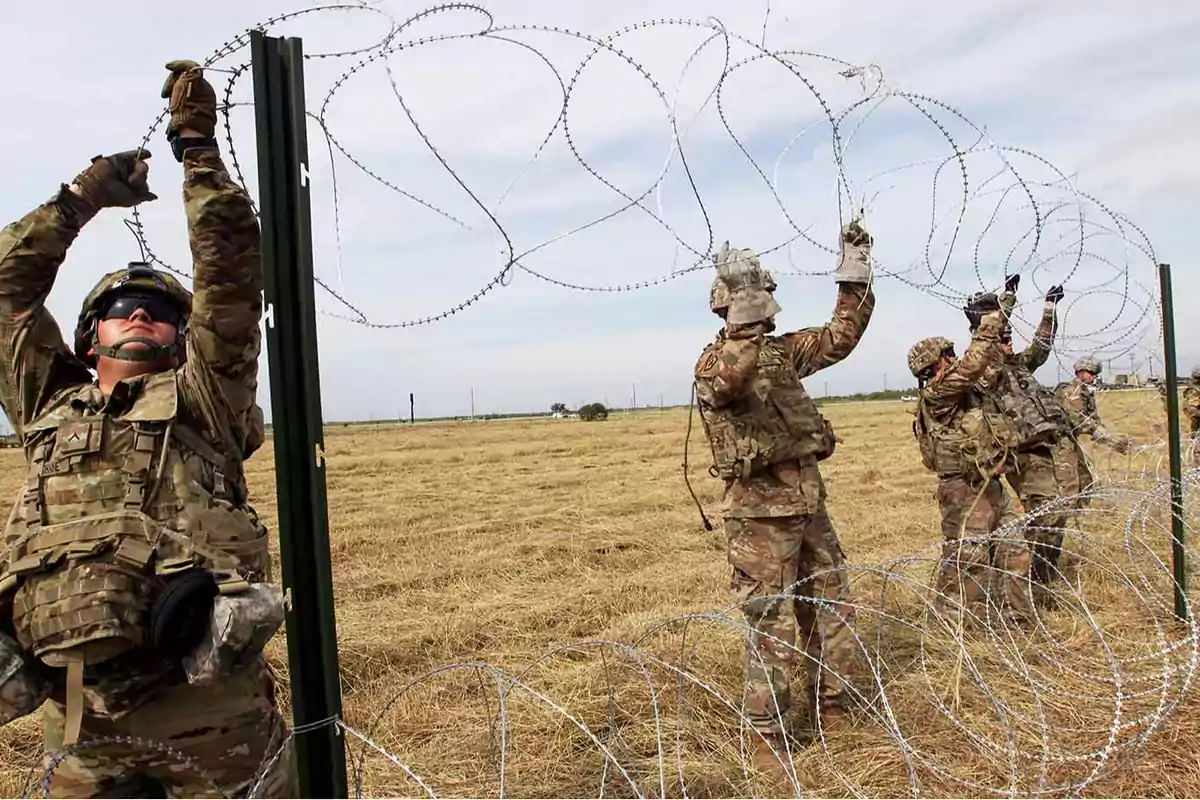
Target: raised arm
column 223, row 339
column 944, row 392
column 1038, row 350
column 814, row 349
column 35, row 362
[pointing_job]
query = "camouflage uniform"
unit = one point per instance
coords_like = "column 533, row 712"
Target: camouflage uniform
column 1039, row 426
column 767, row 437
column 960, row 445
column 1079, row 399
column 127, row 497
column 1190, row 411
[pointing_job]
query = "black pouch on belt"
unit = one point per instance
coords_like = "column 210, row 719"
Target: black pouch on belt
column 179, row 617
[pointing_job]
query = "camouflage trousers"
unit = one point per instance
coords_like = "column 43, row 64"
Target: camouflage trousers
column 778, row 562
column 196, row 742
column 1035, row 477
column 973, row 565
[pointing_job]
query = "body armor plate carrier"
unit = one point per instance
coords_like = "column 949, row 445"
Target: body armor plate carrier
column 774, row 421
column 113, row 507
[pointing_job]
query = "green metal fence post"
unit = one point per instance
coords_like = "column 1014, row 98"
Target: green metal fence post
column 296, row 413
column 1173, row 444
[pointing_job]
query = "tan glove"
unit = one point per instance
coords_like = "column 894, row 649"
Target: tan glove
column 118, row 180
column 854, row 264
column 193, row 103
column 1120, row 442
column 748, row 306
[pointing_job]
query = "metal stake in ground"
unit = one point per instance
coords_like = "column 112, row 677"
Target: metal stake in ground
column 1173, row 443
column 296, row 413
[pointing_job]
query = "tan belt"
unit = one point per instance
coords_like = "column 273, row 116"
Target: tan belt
column 74, row 720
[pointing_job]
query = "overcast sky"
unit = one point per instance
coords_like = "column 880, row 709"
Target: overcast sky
column 1104, row 91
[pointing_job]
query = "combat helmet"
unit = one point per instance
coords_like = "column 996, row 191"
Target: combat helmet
column 139, row 277
column 926, row 353
column 1088, row 364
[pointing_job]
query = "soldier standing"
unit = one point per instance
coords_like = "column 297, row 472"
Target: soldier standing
column 767, row 438
column 1191, row 413
column 1038, row 425
column 1079, row 399
column 962, row 448
column 134, row 580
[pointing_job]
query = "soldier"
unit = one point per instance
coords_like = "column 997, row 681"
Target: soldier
column 1079, row 399
column 967, row 454
column 134, row 581
column 1038, row 423
column 767, row 438
column 1190, row 409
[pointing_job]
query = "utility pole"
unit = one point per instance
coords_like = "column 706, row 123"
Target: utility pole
column 472, row 402
column 634, row 397
column 284, row 205
column 412, row 413
column 885, row 381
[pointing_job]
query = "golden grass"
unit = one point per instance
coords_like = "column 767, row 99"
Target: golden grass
column 498, row 541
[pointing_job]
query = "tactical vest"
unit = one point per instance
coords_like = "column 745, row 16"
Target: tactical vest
column 1035, row 414
column 1087, row 399
column 773, row 421
column 973, row 443
column 112, row 507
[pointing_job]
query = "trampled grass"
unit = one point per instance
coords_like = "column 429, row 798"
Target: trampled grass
column 497, row 542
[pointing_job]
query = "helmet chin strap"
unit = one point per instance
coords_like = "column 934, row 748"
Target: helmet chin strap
column 153, row 351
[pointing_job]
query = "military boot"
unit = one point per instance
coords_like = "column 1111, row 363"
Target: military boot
column 770, row 756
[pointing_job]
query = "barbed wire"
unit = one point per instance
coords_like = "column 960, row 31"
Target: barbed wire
column 952, row 699
column 956, row 698
column 936, row 270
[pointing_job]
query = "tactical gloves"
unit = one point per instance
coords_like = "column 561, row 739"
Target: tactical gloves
column 749, row 306
column 118, row 180
column 193, row 106
column 854, row 265
column 1055, row 294
column 750, row 286
column 239, row 627
column 978, row 305
column 1120, row 442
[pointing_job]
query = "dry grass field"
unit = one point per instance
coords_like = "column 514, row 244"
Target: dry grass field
column 496, row 542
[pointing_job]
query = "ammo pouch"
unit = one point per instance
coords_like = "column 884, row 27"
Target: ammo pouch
column 92, row 607
column 179, row 617
column 925, row 441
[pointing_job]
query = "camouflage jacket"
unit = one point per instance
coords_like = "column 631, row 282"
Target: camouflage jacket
column 1190, row 409
column 949, row 422
column 212, row 394
column 1037, row 415
column 1079, row 399
column 727, row 373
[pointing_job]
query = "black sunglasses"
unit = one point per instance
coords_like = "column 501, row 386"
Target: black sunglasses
column 158, row 307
